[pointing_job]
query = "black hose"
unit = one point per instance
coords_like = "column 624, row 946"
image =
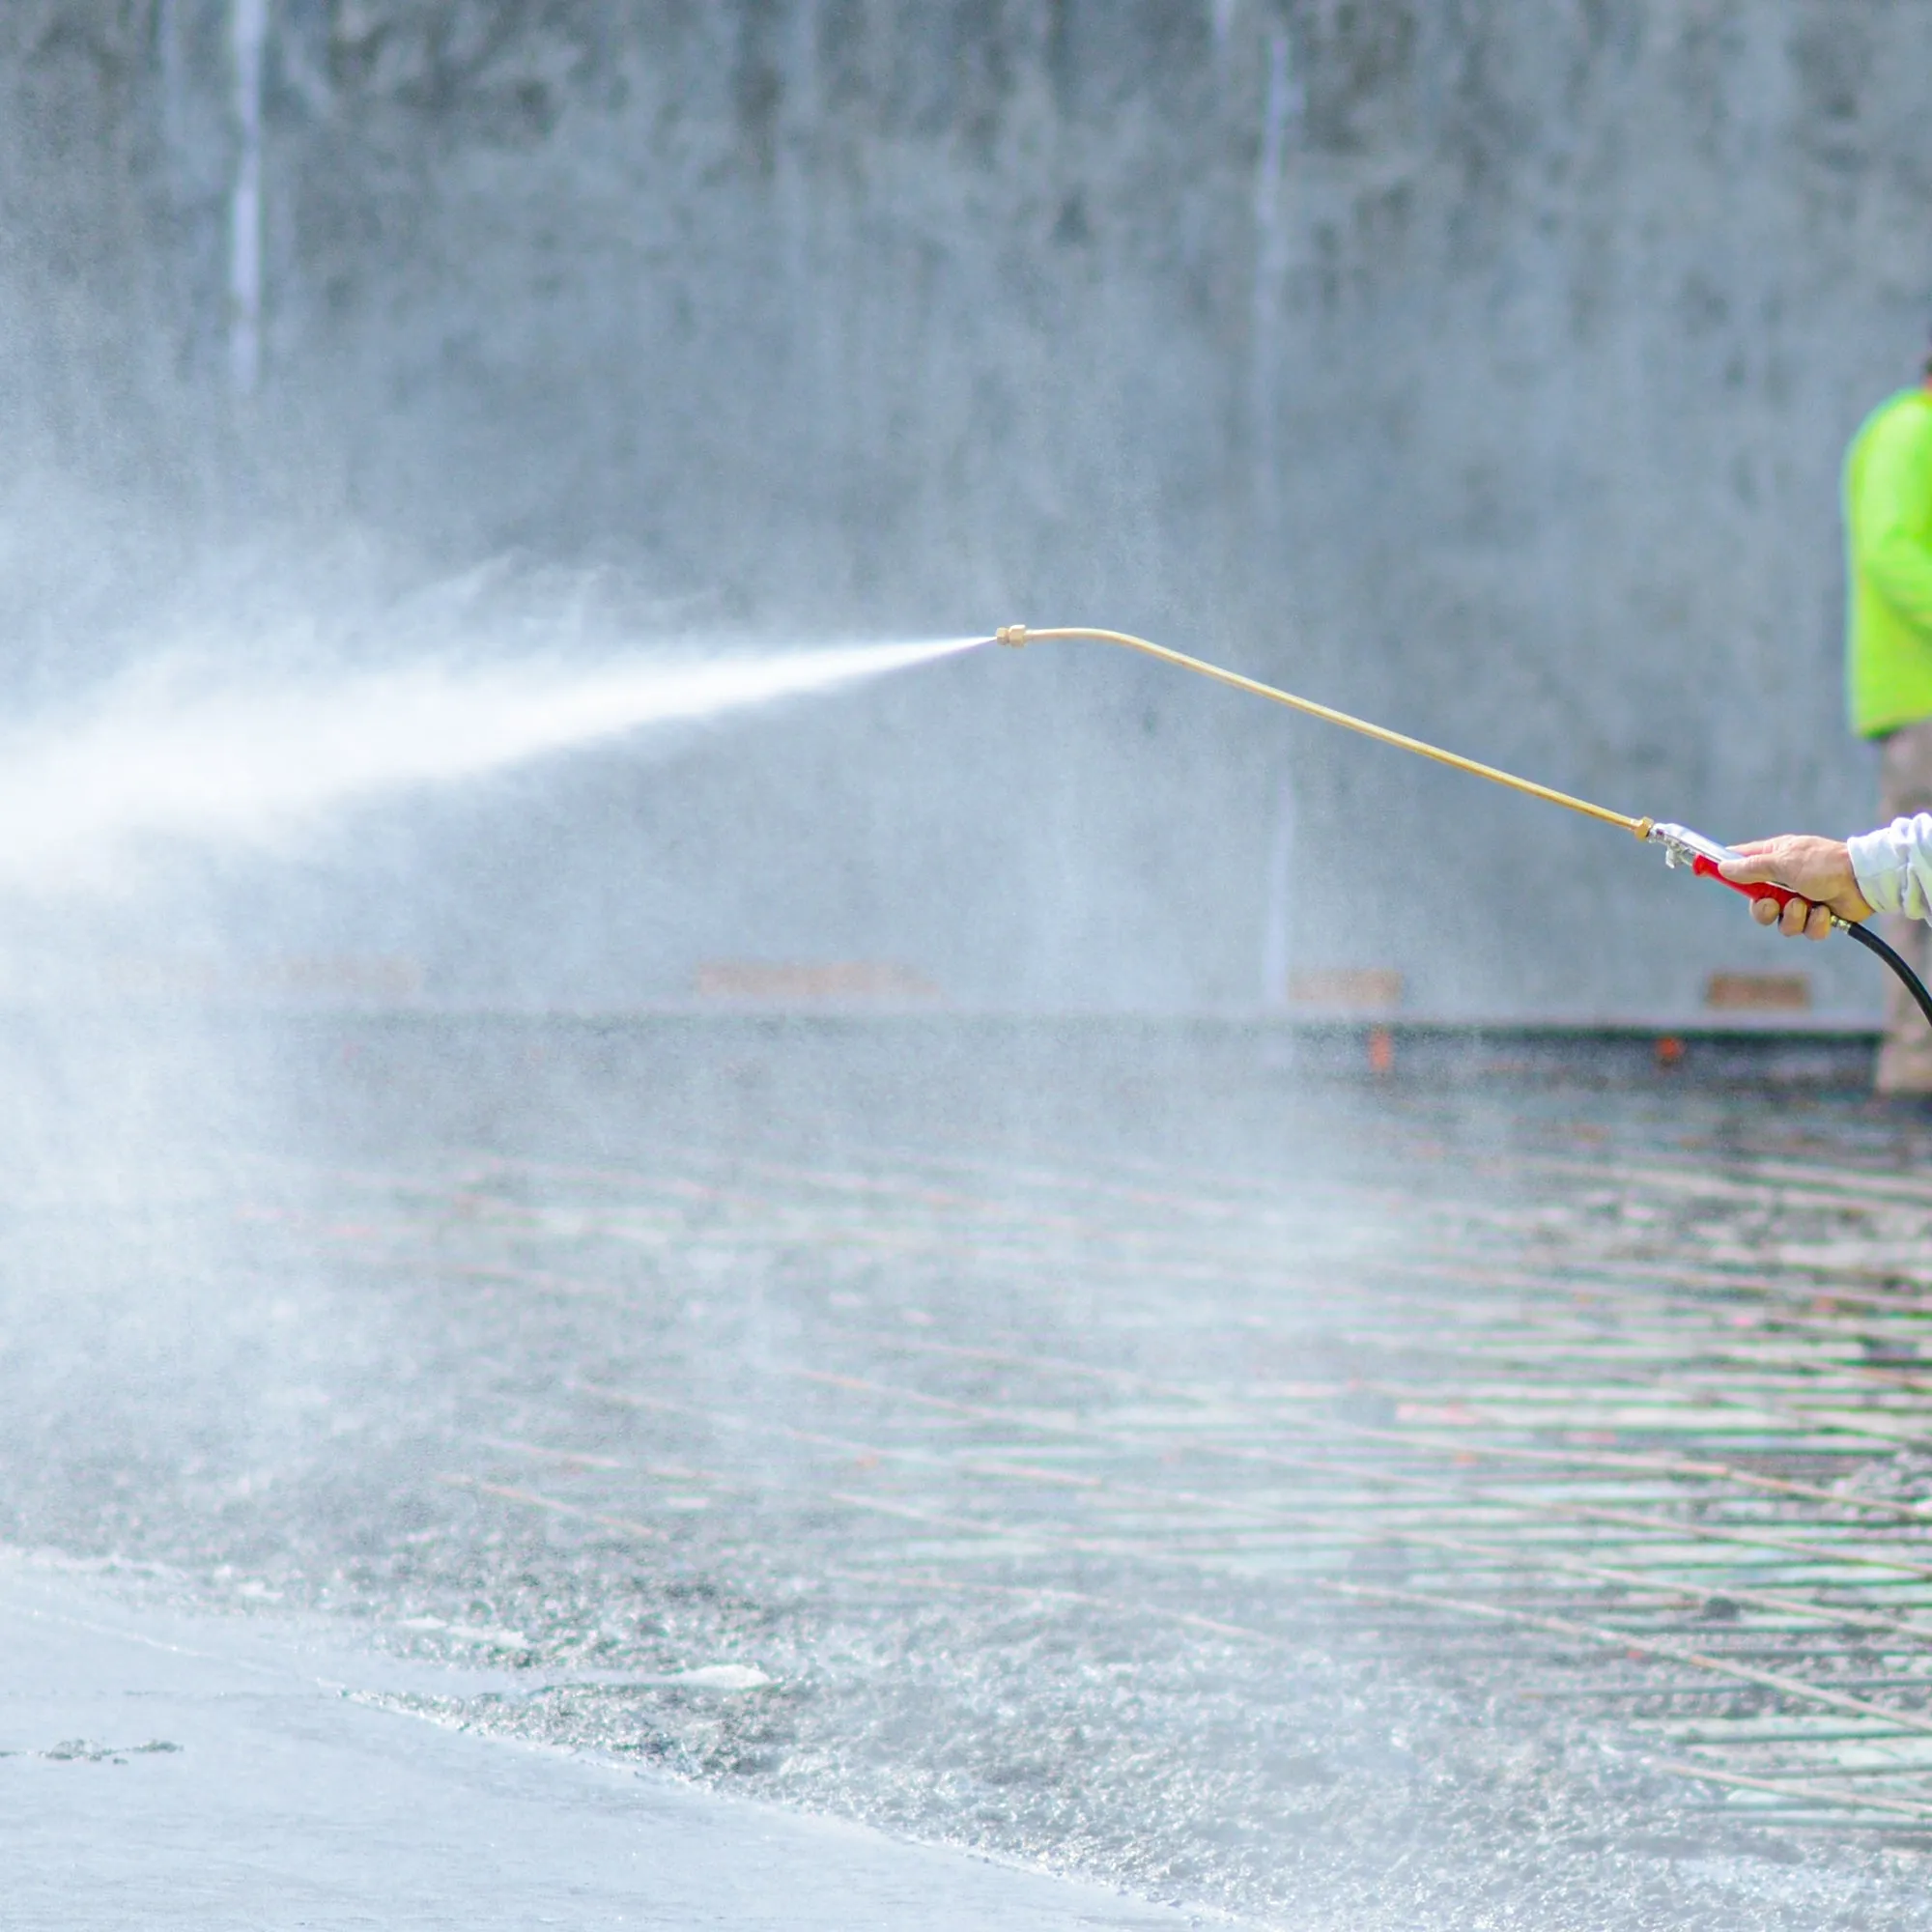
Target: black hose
column 1914, row 984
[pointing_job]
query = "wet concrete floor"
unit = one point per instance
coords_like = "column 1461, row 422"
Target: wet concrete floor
column 1492, row 1494
column 162, row 1769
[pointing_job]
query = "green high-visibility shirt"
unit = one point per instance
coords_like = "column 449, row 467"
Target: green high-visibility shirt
column 1889, row 561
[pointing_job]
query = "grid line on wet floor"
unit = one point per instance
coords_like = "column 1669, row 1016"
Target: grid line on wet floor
column 1630, row 1423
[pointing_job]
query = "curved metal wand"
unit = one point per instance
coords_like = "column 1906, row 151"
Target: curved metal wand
column 1681, row 845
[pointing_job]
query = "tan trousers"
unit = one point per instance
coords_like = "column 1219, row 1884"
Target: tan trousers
column 1905, row 788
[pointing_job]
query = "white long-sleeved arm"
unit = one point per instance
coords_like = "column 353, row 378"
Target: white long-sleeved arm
column 1894, row 866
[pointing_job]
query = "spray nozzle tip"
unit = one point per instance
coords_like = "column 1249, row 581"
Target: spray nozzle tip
column 1010, row 634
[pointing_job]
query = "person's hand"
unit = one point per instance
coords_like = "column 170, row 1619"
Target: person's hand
column 1818, row 870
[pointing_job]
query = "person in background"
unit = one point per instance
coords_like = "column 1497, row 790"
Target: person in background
column 1887, row 507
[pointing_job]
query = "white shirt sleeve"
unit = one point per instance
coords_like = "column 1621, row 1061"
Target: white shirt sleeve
column 1894, row 866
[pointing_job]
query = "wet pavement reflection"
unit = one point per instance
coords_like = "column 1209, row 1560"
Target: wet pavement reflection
column 1485, row 1490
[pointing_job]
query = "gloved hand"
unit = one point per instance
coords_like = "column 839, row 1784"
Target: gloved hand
column 1818, row 870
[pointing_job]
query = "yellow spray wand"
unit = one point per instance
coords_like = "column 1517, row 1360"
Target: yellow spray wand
column 1681, row 845
column 1018, row 634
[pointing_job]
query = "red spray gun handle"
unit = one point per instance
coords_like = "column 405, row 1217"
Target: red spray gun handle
column 1704, row 856
column 1707, row 868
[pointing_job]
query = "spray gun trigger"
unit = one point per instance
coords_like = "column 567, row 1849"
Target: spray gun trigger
column 1706, row 857
column 1684, row 847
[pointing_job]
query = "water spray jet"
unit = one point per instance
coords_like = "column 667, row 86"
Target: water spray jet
column 1681, row 845
column 177, row 751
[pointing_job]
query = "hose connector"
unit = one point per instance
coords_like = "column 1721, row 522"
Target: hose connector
column 1010, row 634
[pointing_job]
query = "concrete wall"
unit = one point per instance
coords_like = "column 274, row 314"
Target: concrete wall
column 1483, row 367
